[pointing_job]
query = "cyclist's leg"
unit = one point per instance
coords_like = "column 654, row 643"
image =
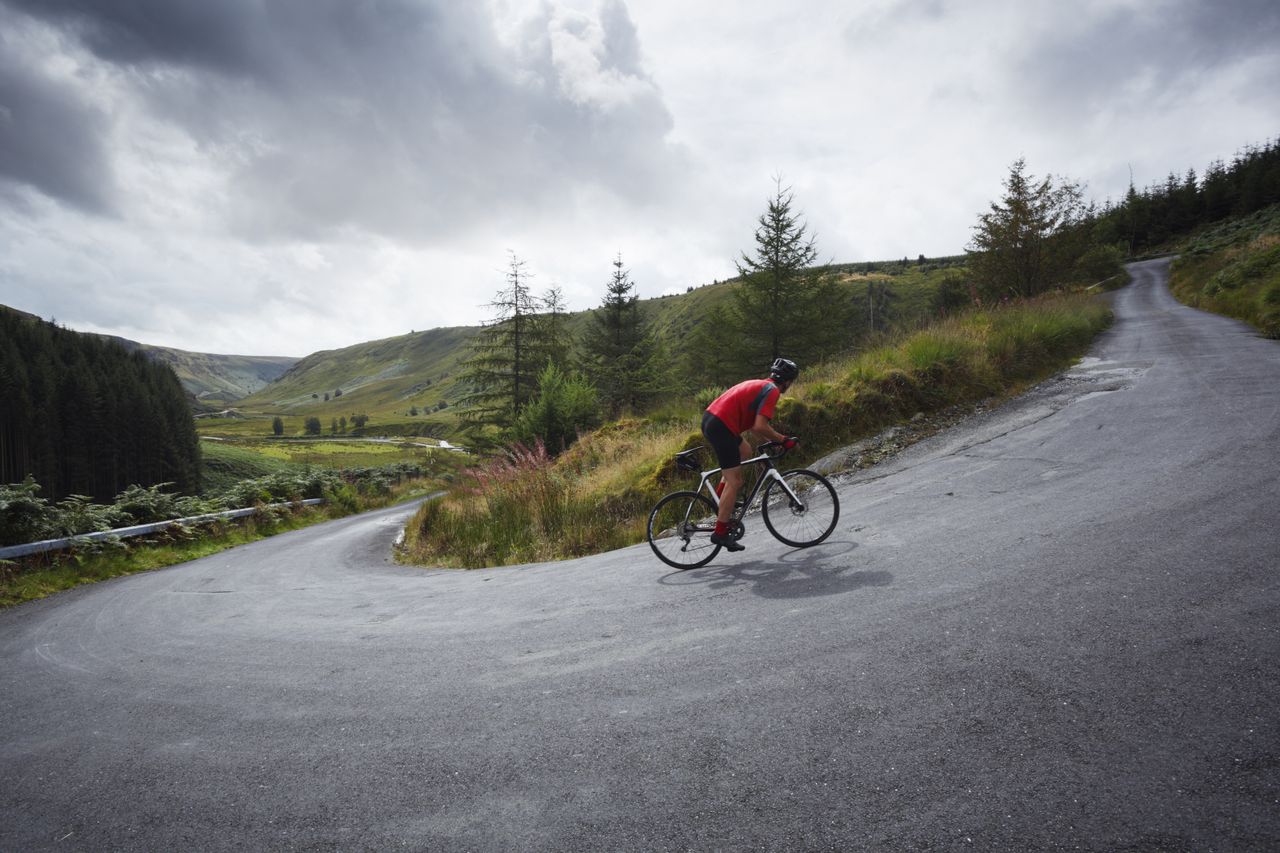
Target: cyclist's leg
column 726, row 445
column 732, row 480
column 729, row 494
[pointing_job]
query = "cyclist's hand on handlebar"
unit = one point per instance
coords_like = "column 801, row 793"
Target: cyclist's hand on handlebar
column 790, row 442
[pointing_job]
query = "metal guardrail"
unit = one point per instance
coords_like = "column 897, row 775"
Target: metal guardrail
column 137, row 530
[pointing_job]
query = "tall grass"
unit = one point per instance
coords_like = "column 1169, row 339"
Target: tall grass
column 1240, row 280
column 527, row 506
column 520, row 506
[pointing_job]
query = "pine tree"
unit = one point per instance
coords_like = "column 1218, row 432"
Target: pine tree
column 1030, row 239
column 550, row 342
column 619, row 351
column 501, row 370
column 783, row 307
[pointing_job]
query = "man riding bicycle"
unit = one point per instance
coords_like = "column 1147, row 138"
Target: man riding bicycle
column 747, row 406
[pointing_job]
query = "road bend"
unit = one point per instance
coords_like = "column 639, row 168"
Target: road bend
column 1054, row 627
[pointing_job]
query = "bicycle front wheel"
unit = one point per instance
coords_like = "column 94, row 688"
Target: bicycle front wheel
column 805, row 512
column 680, row 529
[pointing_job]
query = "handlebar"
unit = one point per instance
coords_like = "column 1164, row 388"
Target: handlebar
column 769, row 446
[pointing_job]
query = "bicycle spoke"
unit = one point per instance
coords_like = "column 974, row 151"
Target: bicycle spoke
column 804, row 512
column 680, row 529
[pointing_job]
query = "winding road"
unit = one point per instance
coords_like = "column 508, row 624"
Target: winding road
column 1054, row 627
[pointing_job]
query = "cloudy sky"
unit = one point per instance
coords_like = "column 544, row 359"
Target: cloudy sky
column 276, row 177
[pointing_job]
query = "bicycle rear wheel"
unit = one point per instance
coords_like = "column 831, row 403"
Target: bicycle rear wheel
column 680, row 529
column 808, row 518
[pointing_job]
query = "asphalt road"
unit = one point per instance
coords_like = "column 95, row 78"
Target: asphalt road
column 1054, row 627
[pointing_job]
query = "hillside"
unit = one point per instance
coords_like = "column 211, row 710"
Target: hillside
column 211, row 377
column 83, row 416
column 1233, row 268
column 387, row 379
column 384, row 378
column 206, row 376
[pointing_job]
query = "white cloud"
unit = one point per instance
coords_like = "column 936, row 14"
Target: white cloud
column 294, row 176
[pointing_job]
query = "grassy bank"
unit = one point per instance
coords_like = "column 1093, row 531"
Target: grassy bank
column 43, row 575
column 1234, row 269
column 529, row 507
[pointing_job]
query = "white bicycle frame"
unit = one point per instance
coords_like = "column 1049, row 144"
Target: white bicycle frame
column 771, row 473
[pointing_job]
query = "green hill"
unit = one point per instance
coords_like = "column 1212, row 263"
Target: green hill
column 217, row 378
column 387, row 379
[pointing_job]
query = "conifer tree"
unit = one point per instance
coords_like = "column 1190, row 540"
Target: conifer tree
column 879, row 301
column 511, row 350
column 84, row 416
column 619, row 351
column 783, row 307
column 550, row 342
column 1030, row 238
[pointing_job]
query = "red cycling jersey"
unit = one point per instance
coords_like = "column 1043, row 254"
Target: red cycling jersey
column 739, row 406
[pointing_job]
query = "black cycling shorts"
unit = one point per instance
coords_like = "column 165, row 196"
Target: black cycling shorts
column 722, row 440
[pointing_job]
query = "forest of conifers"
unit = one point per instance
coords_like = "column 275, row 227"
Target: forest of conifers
column 84, row 416
column 1147, row 218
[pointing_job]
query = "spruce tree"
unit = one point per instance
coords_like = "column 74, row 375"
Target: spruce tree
column 783, row 307
column 619, row 350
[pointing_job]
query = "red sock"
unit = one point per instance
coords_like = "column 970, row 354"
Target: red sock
column 722, row 527
column 720, row 488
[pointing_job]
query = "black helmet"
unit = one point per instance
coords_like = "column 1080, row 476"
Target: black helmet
column 784, row 370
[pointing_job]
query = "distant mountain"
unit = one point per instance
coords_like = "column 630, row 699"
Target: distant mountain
column 210, row 376
column 207, row 376
column 417, row 370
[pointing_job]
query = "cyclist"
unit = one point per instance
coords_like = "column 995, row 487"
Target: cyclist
column 747, row 406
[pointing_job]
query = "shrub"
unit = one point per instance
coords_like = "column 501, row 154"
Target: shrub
column 24, row 515
column 1100, row 263
column 707, row 396
column 566, row 405
column 145, row 504
column 77, row 514
column 343, row 496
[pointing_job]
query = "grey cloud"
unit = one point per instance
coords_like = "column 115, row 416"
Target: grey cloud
column 1167, row 47
column 405, row 118
column 224, row 35
column 51, row 138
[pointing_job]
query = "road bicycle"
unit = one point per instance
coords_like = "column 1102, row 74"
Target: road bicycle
column 799, row 507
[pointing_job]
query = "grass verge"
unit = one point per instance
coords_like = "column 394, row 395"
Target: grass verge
column 527, row 506
column 1234, row 269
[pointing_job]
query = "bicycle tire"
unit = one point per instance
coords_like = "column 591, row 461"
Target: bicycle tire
column 801, row 526
column 680, row 528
